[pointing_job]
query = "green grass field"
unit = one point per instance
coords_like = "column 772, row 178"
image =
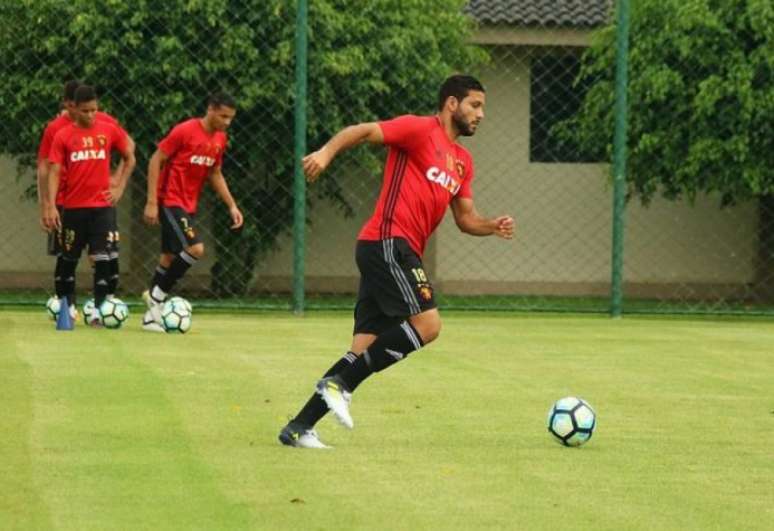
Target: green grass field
column 130, row 430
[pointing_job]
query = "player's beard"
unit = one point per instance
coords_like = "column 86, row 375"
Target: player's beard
column 462, row 126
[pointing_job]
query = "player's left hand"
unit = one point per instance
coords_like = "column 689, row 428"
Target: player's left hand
column 505, row 227
column 236, row 217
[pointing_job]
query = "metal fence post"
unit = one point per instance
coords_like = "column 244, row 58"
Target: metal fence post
column 619, row 156
column 299, row 184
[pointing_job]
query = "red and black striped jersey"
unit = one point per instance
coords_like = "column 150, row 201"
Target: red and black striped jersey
column 424, row 171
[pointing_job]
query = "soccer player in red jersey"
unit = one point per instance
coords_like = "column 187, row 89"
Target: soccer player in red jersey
column 62, row 120
column 396, row 314
column 189, row 155
column 81, row 151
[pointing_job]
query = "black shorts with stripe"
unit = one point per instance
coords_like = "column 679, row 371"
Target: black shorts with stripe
column 95, row 227
column 393, row 285
column 177, row 229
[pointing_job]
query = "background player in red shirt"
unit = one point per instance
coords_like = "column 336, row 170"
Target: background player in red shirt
column 62, row 120
column 426, row 170
column 189, row 155
column 81, row 151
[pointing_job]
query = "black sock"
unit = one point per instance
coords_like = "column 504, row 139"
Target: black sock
column 177, row 269
column 158, row 274
column 101, row 281
column 114, row 274
column 315, row 407
column 59, row 271
column 389, row 348
column 65, row 280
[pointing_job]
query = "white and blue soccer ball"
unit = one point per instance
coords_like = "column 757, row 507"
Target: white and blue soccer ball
column 571, row 421
column 53, row 304
column 113, row 312
column 88, row 310
column 176, row 315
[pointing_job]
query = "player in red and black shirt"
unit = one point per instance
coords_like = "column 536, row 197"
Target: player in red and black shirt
column 396, row 314
column 190, row 155
column 62, row 120
column 82, row 152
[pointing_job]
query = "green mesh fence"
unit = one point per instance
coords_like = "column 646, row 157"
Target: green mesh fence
column 699, row 129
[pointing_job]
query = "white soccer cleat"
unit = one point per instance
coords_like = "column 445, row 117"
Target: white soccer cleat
column 147, row 299
column 300, row 437
column 150, row 324
column 336, row 396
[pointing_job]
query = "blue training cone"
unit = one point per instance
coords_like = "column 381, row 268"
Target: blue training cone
column 63, row 320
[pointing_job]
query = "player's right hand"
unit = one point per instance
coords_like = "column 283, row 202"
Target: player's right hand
column 315, row 163
column 151, row 214
column 51, row 218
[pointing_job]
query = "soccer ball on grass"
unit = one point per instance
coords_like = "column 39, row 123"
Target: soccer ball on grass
column 88, row 310
column 571, row 421
column 113, row 312
column 176, row 315
column 53, row 304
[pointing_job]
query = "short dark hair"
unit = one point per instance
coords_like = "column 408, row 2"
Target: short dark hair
column 221, row 99
column 68, row 93
column 84, row 93
column 458, row 86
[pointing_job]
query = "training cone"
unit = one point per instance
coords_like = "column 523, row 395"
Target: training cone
column 63, row 320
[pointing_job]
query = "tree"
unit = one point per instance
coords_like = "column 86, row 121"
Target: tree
column 154, row 67
column 701, row 95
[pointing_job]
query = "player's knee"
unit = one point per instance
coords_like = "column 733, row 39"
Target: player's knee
column 427, row 325
column 197, row 251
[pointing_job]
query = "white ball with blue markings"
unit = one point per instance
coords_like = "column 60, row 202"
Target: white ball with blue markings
column 52, row 307
column 113, row 312
column 176, row 315
column 88, row 310
column 571, row 421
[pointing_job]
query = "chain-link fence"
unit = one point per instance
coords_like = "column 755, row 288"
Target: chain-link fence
column 542, row 153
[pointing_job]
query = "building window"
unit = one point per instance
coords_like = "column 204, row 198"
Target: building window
column 554, row 98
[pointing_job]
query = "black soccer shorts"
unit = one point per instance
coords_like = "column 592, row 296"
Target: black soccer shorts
column 177, row 229
column 95, row 227
column 393, row 285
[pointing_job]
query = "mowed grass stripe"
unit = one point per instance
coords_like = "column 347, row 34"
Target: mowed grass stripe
column 108, row 444
column 21, row 506
column 452, row 438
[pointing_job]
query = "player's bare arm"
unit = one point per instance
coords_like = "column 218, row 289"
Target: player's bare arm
column 151, row 213
column 42, row 175
column 120, row 178
column 51, row 216
column 316, row 163
column 471, row 222
column 218, row 183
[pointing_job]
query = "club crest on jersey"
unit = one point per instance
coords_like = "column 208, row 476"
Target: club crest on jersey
column 425, row 291
column 87, row 154
column 101, row 140
column 449, row 162
column 460, row 169
column 443, row 179
column 202, row 160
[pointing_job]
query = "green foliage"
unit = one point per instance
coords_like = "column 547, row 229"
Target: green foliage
column 154, row 64
column 701, row 96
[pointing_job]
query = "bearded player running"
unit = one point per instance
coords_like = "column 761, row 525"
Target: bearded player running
column 396, row 313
